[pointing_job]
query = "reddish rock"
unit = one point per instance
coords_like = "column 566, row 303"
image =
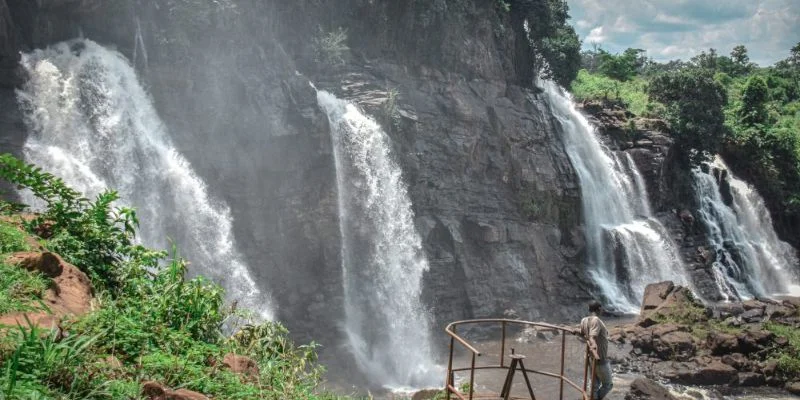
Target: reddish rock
column 753, row 305
column 663, row 329
column 183, row 394
column 156, row 391
column 654, row 295
column 770, row 367
column 793, row 302
column 694, row 373
column 47, row 263
column 751, row 379
column 793, row 387
column 647, row 389
column 722, row 343
column 241, row 365
column 779, row 311
column 675, row 345
column 737, row 360
column 716, row 373
column 69, row 294
column 753, row 341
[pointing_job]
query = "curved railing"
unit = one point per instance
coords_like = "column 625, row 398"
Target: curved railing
column 451, row 388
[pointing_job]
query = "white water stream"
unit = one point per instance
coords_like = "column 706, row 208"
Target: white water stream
column 627, row 247
column 382, row 256
column 92, row 124
column 750, row 259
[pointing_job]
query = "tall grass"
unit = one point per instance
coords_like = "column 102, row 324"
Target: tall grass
column 632, row 93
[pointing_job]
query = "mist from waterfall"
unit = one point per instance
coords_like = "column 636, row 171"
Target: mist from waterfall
column 750, row 260
column 382, row 257
column 627, row 248
column 92, row 124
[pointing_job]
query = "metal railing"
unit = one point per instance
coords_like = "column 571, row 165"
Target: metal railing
column 451, row 388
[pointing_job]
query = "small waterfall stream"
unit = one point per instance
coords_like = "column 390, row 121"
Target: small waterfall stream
column 627, row 247
column 750, row 259
column 91, row 123
column 382, row 257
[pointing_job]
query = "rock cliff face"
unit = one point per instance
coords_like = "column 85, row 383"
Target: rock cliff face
column 496, row 200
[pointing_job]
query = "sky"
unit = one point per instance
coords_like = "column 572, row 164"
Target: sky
column 680, row 29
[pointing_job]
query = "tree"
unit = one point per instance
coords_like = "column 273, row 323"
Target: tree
column 622, row 67
column 739, row 55
column 705, row 60
column 553, row 42
column 754, row 102
column 694, row 102
column 740, row 61
column 794, row 56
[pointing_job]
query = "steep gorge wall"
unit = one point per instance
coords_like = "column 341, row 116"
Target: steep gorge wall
column 496, row 199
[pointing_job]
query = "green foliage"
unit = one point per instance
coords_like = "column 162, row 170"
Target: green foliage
column 20, row 289
column 330, row 47
column 754, row 100
column 38, row 359
column 632, row 94
column 11, row 238
column 757, row 130
column 694, row 102
column 621, row 67
column 148, row 315
column 551, row 38
column 90, row 234
column 504, row 5
column 788, row 357
column 561, row 50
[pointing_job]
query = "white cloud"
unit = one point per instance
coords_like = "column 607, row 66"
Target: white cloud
column 596, row 36
column 671, row 29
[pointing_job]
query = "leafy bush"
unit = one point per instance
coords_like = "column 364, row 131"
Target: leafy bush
column 148, row 315
column 632, row 93
column 694, row 102
column 788, row 357
column 90, row 234
column 330, row 47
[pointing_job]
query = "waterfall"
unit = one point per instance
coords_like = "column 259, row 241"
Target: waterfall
column 91, row 123
column 626, row 247
column 750, row 259
column 382, row 257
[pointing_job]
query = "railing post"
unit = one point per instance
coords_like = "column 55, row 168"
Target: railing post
column 503, row 345
column 472, row 377
column 449, row 379
column 563, row 348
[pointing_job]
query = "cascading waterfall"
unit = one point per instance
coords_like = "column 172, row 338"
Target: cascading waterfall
column 627, row 247
column 91, row 122
column 382, row 257
column 750, row 259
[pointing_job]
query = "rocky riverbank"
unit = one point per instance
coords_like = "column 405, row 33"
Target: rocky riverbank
column 679, row 340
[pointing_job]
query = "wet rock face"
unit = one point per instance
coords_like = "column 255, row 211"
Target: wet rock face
column 496, row 199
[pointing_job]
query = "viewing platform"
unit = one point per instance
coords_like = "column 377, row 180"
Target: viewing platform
column 531, row 360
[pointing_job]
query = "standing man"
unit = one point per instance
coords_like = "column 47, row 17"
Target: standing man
column 594, row 331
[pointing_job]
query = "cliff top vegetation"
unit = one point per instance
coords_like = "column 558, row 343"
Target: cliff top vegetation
column 715, row 104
